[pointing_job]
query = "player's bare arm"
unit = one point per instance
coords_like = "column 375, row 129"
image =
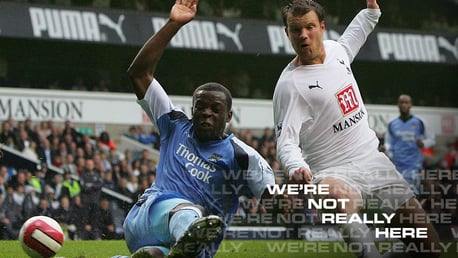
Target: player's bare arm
column 372, row 4
column 141, row 71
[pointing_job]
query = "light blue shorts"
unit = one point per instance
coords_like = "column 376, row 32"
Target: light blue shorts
column 147, row 223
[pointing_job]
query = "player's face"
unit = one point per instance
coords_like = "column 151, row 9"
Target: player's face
column 210, row 115
column 404, row 105
column 306, row 35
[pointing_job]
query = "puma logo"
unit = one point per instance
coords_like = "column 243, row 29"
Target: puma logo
column 234, row 35
column 445, row 44
column 315, row 86
column 116, row 26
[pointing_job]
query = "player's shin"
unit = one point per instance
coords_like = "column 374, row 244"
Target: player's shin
column 181, row 220
column 360, row 240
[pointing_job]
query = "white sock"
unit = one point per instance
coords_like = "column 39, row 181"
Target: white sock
column 182, row 219
column 360, row 240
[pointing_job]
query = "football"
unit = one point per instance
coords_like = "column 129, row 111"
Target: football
column 41, row 237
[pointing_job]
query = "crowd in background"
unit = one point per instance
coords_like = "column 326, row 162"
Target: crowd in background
column 92, row 162
column 75, row 197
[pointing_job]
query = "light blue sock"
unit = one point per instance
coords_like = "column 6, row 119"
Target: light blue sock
column 182, row 219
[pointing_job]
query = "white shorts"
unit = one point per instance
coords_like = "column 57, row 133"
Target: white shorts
column 379, row 184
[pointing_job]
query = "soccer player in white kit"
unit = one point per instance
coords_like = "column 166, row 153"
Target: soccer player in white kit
column 323, row 134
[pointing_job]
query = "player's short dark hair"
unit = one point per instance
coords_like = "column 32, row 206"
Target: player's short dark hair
column 301, row 7
column 214, row 86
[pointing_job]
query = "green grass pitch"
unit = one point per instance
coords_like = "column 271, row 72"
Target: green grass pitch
column 229, row 248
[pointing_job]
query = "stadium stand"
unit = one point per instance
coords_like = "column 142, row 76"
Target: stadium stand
column 126, row 170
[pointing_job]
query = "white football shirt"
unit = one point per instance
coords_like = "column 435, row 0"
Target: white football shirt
column 321, row 121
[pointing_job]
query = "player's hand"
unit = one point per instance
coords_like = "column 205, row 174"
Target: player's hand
column 420, row 144
column 301, row 175
column 183, row 11
column 372, row 4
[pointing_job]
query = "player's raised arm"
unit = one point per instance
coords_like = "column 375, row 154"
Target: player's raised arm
column 141, row 70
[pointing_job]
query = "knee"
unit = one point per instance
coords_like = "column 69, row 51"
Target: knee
column 149, row 252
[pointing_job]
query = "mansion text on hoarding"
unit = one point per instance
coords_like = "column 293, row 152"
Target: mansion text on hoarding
column 40, row 109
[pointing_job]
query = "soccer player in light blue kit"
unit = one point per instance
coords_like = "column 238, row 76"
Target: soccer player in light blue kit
column 202, row 171
column 404, row 139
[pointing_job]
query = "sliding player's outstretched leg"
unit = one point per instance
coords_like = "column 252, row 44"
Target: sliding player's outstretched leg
column 198, row 235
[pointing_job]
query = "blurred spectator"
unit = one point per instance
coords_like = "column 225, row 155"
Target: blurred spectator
column 105, row 221
column 45, row 152
column 12, row 212
column 36, row 180
column 57, row 185
column 451, row 155
column 43, row 130
column 144, row 159
column 2, row 182
column 132, row 183
column 28, row 126
column 143, row 184
column 7, row 229
column 149, row 138
column 117, row 173
column 23, row 139
column 91, row 187
column 55, row 85
column 107, row 165
column 79, row 85
column 80, row 163
column 69, row 129
column 31, row 201
column 88, row 147
column 30, row 151
column 128, row 158
column 7, row 135
column 5, row 176
column 58, row 154
column 102, row 85
column 50, row 197
column 114, row 157
column 69, row 165
column 19, row 179
column 105, row 142
column 19, row 195
column 122, row 189
column 268, row 137
column 82, row 223
column 132, row 133
column 47, row 175
column 65, row 217
column 72, row 185
column 108, row 180
column 55, row 137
